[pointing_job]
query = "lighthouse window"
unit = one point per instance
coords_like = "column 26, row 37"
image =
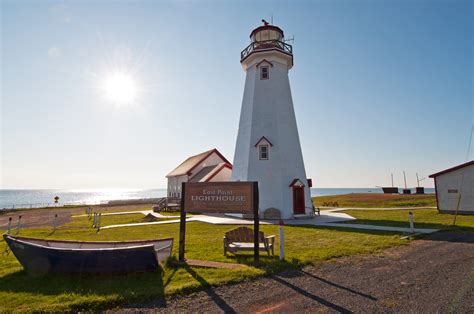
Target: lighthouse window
column 264, row 71
column 263, row 152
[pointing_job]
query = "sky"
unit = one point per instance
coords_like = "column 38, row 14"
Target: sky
column 379, row 87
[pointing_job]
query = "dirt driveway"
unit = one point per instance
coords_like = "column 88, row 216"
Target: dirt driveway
column 431, row 275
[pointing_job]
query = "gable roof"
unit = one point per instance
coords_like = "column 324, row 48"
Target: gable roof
column 216, row 170
column 261, row 139
column 192, row 162
column 295, row 182
column 264, row 61
column 469, row 163
column 207, row 173
column 204, row 172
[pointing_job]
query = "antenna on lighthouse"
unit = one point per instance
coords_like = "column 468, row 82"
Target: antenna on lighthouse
column 292, row 39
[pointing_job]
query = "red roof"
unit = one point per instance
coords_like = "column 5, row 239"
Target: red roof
column 469, row 163
column 192, row 162
column 207, row 173
column 264, row 27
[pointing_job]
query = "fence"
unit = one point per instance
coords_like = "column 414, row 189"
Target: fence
column 36, row 205
column 135, row 201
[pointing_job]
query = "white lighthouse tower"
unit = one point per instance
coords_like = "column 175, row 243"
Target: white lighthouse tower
column 268, row 147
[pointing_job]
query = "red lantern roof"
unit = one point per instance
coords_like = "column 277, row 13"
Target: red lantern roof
column 264, row 27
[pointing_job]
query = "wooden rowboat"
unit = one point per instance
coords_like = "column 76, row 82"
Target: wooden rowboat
column 40, row 256
column 390, row 190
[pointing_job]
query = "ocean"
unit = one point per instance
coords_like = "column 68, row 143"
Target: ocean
column 43, row 198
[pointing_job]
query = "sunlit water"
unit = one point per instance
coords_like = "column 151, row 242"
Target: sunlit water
column 40, row 198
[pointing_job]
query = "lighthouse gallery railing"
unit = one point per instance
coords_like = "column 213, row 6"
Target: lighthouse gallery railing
column 266, row 44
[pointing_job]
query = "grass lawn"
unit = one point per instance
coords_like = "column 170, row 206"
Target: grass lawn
column 304, row 245
column 107, row 220
column 424, row 218
column 373, row 200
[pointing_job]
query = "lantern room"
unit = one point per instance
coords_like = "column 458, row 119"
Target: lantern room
column 266, row 32
column 266, row 40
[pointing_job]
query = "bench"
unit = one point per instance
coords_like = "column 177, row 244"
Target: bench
column 241, row 239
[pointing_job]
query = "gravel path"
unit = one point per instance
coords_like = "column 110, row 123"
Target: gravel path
column 431, row 275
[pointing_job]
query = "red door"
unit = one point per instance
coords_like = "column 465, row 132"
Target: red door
column 298, row 199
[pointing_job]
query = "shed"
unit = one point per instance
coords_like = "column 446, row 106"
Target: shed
column 455, row 185
column 209, row 166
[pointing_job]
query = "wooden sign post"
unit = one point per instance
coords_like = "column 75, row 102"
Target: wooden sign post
column 219, row 197
column 256, row 224
column 182, row 223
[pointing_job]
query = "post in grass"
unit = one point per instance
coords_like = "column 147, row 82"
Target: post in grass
column 94, row 220
column 412, row 223
column 9, row 225
column 55, row 222
column 282, row 239
column 18, row 225
column 98, row 222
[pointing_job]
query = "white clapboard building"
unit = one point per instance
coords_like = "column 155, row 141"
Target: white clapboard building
column 455, row 187
column 210, row 166
column 268, row 147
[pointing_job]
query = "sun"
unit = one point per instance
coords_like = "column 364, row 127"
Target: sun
column 120, row 88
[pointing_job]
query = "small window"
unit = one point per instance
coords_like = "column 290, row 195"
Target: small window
column 263, row 152
column 453, row 191
column 264, row 73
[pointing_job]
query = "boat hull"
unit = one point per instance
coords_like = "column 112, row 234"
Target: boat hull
column 39, row 259
column 390, row 190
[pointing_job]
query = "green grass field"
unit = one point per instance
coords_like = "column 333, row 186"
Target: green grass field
column 372, row 200
column 107, row 220
column 304, row 245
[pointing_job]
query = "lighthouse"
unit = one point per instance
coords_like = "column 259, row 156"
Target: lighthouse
column 268, row 147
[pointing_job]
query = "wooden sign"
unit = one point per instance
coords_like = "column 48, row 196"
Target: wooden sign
column 219, row 197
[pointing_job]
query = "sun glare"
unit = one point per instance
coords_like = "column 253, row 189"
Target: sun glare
column 120, row 88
